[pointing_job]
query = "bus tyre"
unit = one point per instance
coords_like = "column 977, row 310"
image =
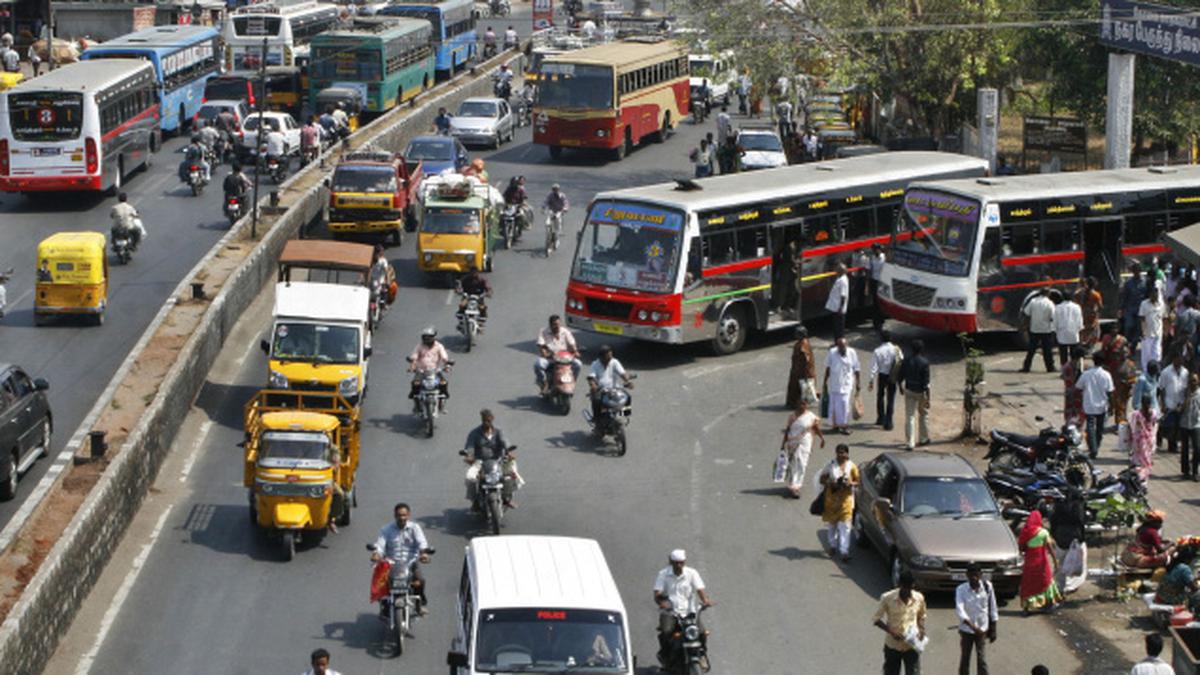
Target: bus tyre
column 731, row 331
column 662, row 134
column 116, row 186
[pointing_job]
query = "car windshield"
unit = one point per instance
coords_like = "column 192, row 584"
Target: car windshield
column 477, row 109
column 630, row 246
column 364, row 179
column 45, row 116
column 936, row 232
column 700, row 67
column 567, row 85
column 550, row 641
column 438, row 151
column 315, row 342
column 767, row 142
column 946, row 496
column 251, row 123
column 439, row 220
column 295, row 445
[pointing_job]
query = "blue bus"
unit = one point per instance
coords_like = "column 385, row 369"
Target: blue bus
column 184, row 58
column 453, row 29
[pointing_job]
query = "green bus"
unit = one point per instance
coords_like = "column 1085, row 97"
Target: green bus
column 389, row 60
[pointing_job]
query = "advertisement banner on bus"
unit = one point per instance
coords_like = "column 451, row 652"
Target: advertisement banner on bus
column 543, row 14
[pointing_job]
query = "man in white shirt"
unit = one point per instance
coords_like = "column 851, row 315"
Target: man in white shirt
column 1151, row 312
column 1172, row 393
column 874, row 272
column 1068, row 321
column 841, row 383
column 551, row 340
column 320, row 664
column 975, row 606
column 1097, row 387
column 839, row 300
column 1152, row 665
column 678, row 591
column 883, row 362
column 724, row 125
column 605, row 373
column 1039, row 312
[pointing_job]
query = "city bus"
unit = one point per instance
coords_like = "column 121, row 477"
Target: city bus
column 453, row 22
column 968, row 254
column 286, row 27
column 184, row 58
column 712, row 259
column 612, row 96
column 390, row 62
column 80, row 127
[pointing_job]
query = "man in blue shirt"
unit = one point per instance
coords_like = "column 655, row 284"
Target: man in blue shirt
column 403, row 544
column 441, row 123
column 1132, row 294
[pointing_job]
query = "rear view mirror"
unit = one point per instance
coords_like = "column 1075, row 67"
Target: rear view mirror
column 456, row 659
column 367, row 352
column 40, row 385
column 264, row 346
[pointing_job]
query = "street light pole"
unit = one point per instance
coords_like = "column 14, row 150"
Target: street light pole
column 260, row 137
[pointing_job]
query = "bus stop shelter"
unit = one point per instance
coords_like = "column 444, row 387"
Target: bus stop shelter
column 1185, row 243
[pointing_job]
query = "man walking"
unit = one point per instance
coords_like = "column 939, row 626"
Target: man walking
column 914, row 382
column 885, row 360
column 1132, row 294
column 1152, row 664
column 901, row 615
column 1097, row 387
column 802, row 378
column 1039, row 313
column 1172, row 390
column 1151, row 312
column 841, row 385
column 1068, row 324
column 839, row 300
column 975, row 605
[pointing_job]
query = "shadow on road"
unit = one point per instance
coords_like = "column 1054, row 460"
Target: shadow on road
column 223, row 403
column 532, row 403
column 226, row 528
column 366, row 633
column 794, row 553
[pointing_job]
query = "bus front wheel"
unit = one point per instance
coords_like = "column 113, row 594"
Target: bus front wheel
column 731, row 331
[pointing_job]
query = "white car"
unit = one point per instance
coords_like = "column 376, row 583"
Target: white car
column 273, row 121
column 763, row 149
column 484, row 120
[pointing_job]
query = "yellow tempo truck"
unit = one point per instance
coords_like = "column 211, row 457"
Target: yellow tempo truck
column 301, row 453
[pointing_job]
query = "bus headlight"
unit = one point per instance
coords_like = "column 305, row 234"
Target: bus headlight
column 277, row 380
column 655, row 317
column 642, row 315
column 950, row 303
column 601, row 133
column 572, row 303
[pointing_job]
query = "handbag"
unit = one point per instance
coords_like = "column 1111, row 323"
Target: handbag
column 824, row 404
column 818, row 505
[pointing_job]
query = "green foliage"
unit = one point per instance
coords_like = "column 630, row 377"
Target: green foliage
column 1116, row 511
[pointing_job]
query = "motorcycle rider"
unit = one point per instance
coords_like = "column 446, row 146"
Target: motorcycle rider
column 236, row 184
column 441, row 123
column 489, row 43
column 402, row 542
column 310, row 140
column 342, row 118
column 552, row 340
column 383, row 274
column 556, row 201
column 474, row 284
column 503, row 82
column 125, row 220
column 194, row 154
column 277, row 148
column 511, row 41
column 329, row 123
column 210, row 138
column 485, row 442
column 227, row 123
column 676, row 591
column 429, row 355
column 604, row 373
column 515, row 195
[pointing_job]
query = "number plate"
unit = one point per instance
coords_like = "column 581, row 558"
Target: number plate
column 962, row 576
column 608, row 328
column 569, row 141
column 47, row 152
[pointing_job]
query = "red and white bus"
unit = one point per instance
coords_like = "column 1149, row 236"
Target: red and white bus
column 714, row 258
column 611, row 96
column 81, row 127
column 969, row 253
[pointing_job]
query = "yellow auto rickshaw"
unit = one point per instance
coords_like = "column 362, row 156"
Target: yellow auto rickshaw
column 72, row 276
column 300, row 457
column 10, row 80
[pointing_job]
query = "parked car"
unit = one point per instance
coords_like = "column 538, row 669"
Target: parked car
column 933, row 514
column 273, row 121
column 25, row 425
column 483, row 120
column 437, row 153
column 763, row 148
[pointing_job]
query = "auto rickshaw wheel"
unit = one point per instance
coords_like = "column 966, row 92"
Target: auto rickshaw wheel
column 98, row 318
column 288, row 541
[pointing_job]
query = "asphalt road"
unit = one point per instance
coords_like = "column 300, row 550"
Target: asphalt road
column 79, row 359
column 195, row 587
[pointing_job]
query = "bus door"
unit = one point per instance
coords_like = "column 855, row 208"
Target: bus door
column 1102, row 256
column 785, row 270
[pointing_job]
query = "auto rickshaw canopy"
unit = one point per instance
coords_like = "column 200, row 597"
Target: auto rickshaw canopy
column 299, row 421
column 329, row 256
column 73, row 257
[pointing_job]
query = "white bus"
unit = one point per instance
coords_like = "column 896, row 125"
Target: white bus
column 287, row 28
column 969, row 253
column 714, row 258
column 82, row 127
column 539, row 604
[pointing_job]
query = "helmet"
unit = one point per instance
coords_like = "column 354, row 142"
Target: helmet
column 555, row 186
column 429, row 331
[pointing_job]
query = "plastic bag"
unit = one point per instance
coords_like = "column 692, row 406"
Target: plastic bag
column 379, row 580
column 1124, row 437
column 780, row 471
column 857, row 410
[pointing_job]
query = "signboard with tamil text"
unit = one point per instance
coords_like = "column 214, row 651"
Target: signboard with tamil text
column 1147, row 28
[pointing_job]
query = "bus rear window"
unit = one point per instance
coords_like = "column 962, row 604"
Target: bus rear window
column 256, row 26
column 226, row 89
column 45, row 116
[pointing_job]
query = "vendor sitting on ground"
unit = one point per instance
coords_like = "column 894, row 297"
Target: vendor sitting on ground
column 1148, row 550
column 1179, row 586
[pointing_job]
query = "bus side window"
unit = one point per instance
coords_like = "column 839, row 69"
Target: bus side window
column 989, row 257
column 1060, row 236
column 855, row 224
column 751, row 243
column 886, row 218
column 1019, row 239
column 720, row 248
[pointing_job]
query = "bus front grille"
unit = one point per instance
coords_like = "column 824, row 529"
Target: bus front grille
column 608, row 308
column 912, row 295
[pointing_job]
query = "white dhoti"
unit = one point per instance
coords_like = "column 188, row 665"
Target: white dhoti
column 839, row 409
column 1151, row 350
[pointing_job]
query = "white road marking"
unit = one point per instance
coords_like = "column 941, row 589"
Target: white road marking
column 449, row 296
column 21, row 298
column 701, row 371
column 736, row 409
column 201, row 437
column 110, row 616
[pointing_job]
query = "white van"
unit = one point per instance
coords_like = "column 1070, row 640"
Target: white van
column 539, row 604
column 718, row 70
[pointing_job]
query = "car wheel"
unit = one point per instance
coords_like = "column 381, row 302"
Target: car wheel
column 47, row 431
column 8, row 489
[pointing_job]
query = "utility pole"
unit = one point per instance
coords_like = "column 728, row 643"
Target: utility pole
column 260, row 162
column 48, row 31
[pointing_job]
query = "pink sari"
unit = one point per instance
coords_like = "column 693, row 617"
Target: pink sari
column 1143, row 429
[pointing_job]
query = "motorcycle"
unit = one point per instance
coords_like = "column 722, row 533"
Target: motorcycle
column 4, row 278
column 502, row 89
column 122, row 244
column 489, row 476
column 400, row 604
column 1056, row 448
column 276, row 169
column 562, row 382
column 379, row 303
column 616, row 406
column 508, row 225
column 553, row 231
column 687, row 647
column 1043, row 489
column 195, row 179
column 470, row 318
column 233, row 208
column 524, row 106
column 489, row 50
column 430, row 399
column 500, row 7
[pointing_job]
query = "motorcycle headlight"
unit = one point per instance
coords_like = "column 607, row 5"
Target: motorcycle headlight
column 929, row 562
column 348, row 386
column 1073, row 435
column 277, row 380
column 691, row 633
column 430, row 382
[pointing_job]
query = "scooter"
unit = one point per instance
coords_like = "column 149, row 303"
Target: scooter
column 196, row 179
column 470, row 319
column 430, row 399
column 561, row 379
column 553, row 231
column 687, row 647
column 122, row 244
column 233, row 208
column 616, row 407
column 400, row 605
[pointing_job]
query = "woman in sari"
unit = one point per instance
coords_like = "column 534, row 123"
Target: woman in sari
column 798, row 434
column 1120, row 367
column 1073, row 398
column 1143, row 434
column 1038, row 590
column 1148, row 550
column 1092, row 304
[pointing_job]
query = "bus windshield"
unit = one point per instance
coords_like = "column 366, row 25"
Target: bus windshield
column 550, row 641
column 45, row 117
column 631, row 246
column 567, row 85
column 936, row 232
column 450, row 221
